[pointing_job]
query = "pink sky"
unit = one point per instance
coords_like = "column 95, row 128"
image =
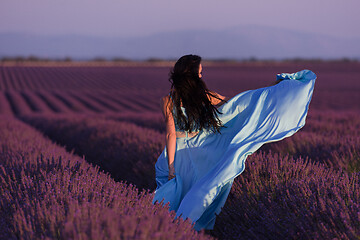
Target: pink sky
column 143, row 17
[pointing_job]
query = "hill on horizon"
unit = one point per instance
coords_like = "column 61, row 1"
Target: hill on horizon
column 233, row 43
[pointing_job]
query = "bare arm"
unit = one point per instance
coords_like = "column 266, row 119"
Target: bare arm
column 170, row 137
column 218, row 100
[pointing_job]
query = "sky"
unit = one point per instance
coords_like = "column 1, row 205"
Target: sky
column 124, row 18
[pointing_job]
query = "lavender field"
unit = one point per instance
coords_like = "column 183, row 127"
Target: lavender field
column 79, row 144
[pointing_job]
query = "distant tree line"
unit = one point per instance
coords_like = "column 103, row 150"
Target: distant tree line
column 33, row 58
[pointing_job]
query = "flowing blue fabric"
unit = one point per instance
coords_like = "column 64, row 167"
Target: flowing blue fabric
column 206, row 164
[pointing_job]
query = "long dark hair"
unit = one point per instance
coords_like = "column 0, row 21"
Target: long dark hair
column 190, row 91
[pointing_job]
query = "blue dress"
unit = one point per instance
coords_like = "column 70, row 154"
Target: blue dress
column 206, row 164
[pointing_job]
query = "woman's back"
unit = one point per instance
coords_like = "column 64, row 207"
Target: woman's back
column 215, row 101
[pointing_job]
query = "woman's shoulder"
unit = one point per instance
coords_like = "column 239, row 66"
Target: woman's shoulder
column 216, row 98
column 165, row 99
column 165, row 103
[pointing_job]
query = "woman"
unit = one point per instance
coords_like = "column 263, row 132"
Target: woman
column 206, row 147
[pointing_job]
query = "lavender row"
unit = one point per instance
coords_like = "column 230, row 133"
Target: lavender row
column 88, row 78
column 72, row 101
column 152, row 120
column 128, row 152
column 284, row 198
column 274, row 182
column 46, row 192
column 331, row 138
column 140, row 88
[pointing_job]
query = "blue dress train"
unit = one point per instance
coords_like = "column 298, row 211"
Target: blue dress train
column 206, row 164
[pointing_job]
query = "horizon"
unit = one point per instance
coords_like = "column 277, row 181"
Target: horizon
column 69, row 59
column 86, row 29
